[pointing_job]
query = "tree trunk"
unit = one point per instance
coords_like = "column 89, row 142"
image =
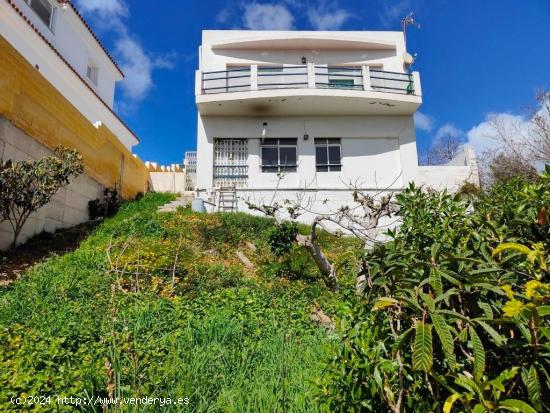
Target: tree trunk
column 310, row 243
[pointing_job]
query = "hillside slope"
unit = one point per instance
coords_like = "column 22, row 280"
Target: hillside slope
column 160, row 305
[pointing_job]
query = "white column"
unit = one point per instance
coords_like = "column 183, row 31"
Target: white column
column 311, row 75
column 416, row 83
column 198, row 83
column 366, row 78
column 254, row 77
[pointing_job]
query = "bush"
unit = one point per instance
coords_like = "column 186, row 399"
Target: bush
column 458, row 315
column 27, row 186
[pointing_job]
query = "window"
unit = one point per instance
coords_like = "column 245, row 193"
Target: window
column 345, row 77
column 279, row 155
column 328, row 156
column 43, row 9
column 92, row 72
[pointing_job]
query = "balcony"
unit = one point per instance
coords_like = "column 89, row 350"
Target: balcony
column 307, row 90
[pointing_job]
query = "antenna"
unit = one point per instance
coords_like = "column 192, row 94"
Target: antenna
column 408, row 20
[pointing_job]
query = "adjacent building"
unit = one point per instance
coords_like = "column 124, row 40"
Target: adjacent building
column 57, row 87
column 309, row 113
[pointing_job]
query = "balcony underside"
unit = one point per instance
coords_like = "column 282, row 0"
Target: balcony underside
column 300, row 102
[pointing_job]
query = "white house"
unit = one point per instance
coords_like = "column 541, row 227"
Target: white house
column 282, row 113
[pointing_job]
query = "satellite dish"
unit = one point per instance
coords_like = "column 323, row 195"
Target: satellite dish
column 408, row 59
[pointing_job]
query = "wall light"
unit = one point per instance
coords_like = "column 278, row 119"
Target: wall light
column 304, row 60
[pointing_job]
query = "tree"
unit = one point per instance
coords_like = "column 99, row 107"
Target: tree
column 26, row 186
column 444, row 150
column 523, row 143
column 360, row 220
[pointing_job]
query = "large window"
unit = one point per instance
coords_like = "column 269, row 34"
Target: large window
column 328, row 155
column 279, row 155
column 44, row 10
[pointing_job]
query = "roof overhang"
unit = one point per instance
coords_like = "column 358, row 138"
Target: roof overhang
column 303, row 42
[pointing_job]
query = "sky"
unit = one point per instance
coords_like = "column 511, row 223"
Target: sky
column 476, row 58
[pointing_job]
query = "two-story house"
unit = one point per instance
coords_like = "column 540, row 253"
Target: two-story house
column 282, row 113
column 57, row 87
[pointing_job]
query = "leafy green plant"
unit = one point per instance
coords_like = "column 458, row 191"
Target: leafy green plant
column 26, row 186
column 458, row 305
column 282, row 237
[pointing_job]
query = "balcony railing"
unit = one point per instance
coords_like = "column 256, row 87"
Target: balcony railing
column 307, row 76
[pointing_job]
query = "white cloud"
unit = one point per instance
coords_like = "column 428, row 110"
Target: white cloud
column 327, row 16
column 483, row 137
column 449, row 130
column 392, row 12
column 267, row 17
column 423, row 122
column 107, row 8
column 137, row 64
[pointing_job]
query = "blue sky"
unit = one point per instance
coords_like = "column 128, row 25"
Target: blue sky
column 475, row 58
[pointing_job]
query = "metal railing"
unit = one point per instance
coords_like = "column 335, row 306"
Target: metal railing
column 392, row 82
column 298, row 77
column 224, row 81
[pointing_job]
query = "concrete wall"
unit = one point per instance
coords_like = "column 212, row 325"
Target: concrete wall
column 69, row 207
column 34, row 105
column 173, row 182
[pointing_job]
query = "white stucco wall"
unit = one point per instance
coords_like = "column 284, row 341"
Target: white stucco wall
column 69, row 206
column 377, row 151
column 76, row 44
column 211, row 59
column 24, row 39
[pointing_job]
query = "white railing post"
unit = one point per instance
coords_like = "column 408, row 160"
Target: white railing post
column 198, row 83
column 416, row 84
column 311, row 75
column 366, row 78
column 254, row 77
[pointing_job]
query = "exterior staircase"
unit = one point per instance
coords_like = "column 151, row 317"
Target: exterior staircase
column 183, row 201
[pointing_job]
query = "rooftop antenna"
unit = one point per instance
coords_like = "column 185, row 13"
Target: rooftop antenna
column 408, row 20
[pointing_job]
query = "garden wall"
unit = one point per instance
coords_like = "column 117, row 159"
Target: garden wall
column 69, row 207
column 35, row 118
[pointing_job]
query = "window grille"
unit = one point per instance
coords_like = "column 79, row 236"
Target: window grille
column 230, row 163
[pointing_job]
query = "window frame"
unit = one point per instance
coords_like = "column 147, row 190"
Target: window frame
column 281, row 143
column 326, row 143
column 93, row 67
column 50, row 24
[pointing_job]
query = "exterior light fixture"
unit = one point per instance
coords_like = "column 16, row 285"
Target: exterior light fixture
column 264, row 130
column 306, row 137
column 304, row 60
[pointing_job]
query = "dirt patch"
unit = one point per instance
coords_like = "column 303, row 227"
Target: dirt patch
column 15, row 262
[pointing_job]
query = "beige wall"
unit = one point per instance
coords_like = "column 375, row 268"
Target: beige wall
column 69, row 207
column 173, row 182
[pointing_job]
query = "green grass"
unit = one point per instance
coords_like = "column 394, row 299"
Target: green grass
column 200, row 326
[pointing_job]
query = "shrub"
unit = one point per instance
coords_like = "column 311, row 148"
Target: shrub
column 27, row 186
column 457, row 317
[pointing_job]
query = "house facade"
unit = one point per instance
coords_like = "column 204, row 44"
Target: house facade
column 284, row 114
column 57, row 87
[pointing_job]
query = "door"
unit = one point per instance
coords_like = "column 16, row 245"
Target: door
column 230, row 162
